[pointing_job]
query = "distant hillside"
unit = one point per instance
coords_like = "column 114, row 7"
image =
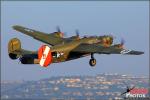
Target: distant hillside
column 104, row 86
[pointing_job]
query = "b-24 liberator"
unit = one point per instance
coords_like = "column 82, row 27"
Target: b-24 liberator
column 58, row 48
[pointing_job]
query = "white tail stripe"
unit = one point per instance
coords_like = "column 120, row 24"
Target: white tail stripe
column 44, row 55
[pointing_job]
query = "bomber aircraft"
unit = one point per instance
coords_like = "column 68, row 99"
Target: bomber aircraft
column 58, row 48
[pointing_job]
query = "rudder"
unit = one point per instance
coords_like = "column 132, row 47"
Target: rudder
column 14, row 46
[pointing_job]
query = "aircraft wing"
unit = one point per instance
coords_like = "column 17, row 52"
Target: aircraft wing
column 50, row 39
column 92, row 48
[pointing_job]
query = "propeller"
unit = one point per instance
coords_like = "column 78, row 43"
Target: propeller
column 110, row 35
column 65, row 34
column 62, row 34
column 122, row 41
column 77, row 33
column 58, row 29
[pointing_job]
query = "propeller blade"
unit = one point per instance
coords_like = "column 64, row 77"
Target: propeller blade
column 65, row 34
column 77, row 33
column 112, row 36
column 58, row 29
column 122, row 41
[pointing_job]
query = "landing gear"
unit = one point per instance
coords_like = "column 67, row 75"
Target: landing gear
column 92, row 61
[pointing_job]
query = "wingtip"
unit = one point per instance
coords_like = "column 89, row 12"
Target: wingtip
column 136, row 52
column 142, row 52
column 15, row 26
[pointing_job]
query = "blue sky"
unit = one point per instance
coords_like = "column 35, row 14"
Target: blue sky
column 126, row 19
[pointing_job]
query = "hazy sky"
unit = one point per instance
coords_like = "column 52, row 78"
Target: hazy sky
column 126, row 19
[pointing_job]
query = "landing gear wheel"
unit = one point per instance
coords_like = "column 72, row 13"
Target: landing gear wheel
column 92, row 62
